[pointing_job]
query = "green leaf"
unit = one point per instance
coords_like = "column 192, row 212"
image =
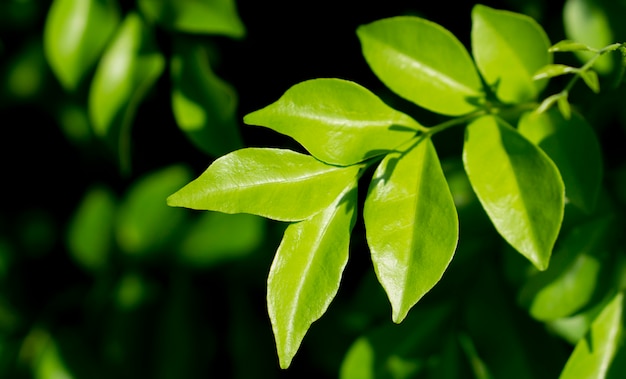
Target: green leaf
column 75, row 34
column 518, row 186
column 90, row 232
column 411, row 225
column 569, row 45
column 204, row 105
column 144, row 223
column 588, row 23
column 127, row 70
column 337, row 121
column 275, row 183
column 593, row 354
column 552, row 70
column 306, row 271
column 564, row 140
column 564, row 106
column 574, row 275
column 591, row 80
column 509, row 48
column 549, row 101
column 422, row 62
column 196, row 16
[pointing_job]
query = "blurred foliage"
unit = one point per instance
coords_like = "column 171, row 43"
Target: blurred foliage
column 108, row 106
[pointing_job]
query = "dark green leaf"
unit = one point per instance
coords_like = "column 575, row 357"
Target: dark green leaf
column 518, row 185
column 75, row 35
column 306, row 271
column 411, row 224
column 564, row 140
column 509, row 48
column 337, row 121
column 422, row 62
column 273, row 183
column 204, row 105
column 196, row 16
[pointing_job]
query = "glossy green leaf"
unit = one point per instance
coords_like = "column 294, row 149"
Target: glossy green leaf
column 552, row 70
column 422, row 62
column 127, row 70
column 519, row 187
column 215, row 238
column 196, row 16
column 411, row 225
column 75, row 34
column 90, row 233
column 565, row 141
column 593, row 354
column 145, row 223
column 205, row 107
column 574, row 275
column 397, row 351
column 509, row 48
column 587, row 22
column 306, row 271
column 275, row 183
column 337, row 121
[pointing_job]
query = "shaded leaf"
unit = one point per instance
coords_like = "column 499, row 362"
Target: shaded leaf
column 204, row 105
column 75, row 34
column 564, row 140
column 196, row 16
column 411, row 225
column 306, row 272
column 422, row 62
column 593, row 354
column 275, row 183
column 509, row 48
column 337, row 121
column 518, row 185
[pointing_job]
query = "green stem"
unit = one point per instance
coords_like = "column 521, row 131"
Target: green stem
column 455, row 121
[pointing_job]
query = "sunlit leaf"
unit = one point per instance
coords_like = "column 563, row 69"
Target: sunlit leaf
column 591, row 80
column 593, row 354
column 564, row 140
column 306, row 271
column 196, row 16
column 127, row 70
column 75, row 34
column 422, row 62
column 585, row 21
column 574, row 276
column 411, row 225
column 337, row 121
column 145, row 223
column 552, row 70
column 568, row 45
column 275, row 183
column 564, row 107
column 204, row 105
column 519, row 187
column 90, row 233
column 509, row 48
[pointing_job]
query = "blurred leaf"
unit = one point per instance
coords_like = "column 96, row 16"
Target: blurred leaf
column 25, row 74
column 594, row 354
column 306, row 271
column 144, row 222
column 568, row 45
column 411, row 225
column 585, row 21
column 552, row 70
column 519, row 187
column 275, row 183
column 129, row 67
column 337, row 121
column 196, row 16
column 591, row 79
column 564, row 140
column 215, row 238
column 575, row 275
column 50, row 363
column 90, row 232
column 422, row 62
column 509, row 48
column 564, row 107
column 204, row 105
column 75, row 34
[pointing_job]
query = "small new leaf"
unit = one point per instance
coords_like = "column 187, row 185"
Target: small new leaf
column 568, row 45
column 278, row 184
column 519, row 187
column 411, row 225
column 591, row 79
column 552, row 70
column 306, row 272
